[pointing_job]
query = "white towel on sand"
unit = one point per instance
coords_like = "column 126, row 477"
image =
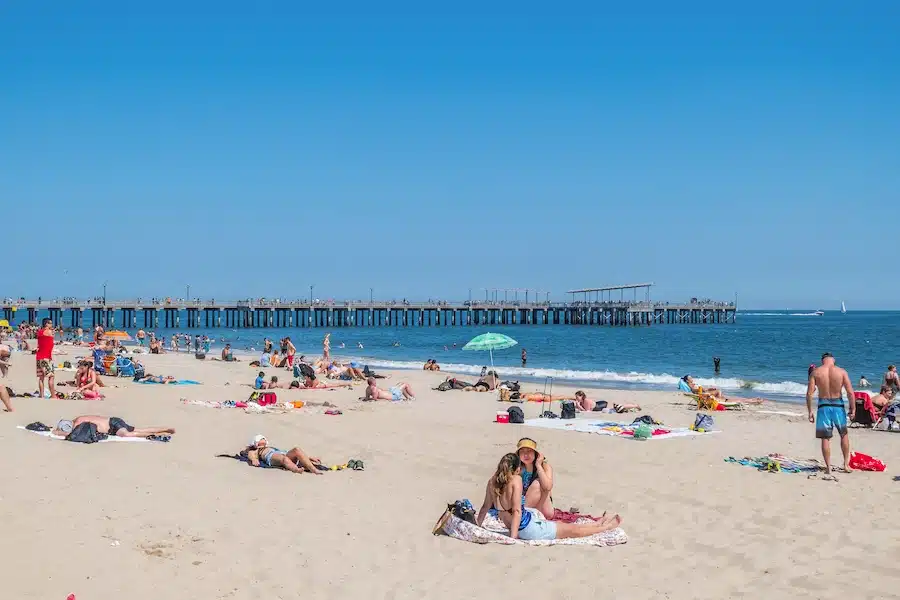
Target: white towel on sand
column 112, row 438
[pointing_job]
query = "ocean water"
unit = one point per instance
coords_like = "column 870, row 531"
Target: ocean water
column 764, row 353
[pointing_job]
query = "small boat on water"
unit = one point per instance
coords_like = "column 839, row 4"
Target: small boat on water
column 843, row 308
column 819, row 313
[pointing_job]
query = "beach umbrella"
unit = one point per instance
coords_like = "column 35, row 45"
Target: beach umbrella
column 490, row 342
column 117, row 335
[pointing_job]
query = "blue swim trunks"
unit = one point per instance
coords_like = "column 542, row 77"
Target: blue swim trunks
column 830, row 415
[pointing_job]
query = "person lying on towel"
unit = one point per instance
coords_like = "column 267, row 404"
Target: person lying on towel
column 294, row 460
column 109, row 426
column 585, row 404
column 155, row 379
column 503, row 494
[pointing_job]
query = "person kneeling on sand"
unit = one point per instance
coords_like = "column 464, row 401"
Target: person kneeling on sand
column 294, row 460
column 401, row 391
column 503, row 493
column 109, row 426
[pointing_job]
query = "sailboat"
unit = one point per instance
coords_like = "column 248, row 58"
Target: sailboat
column 843, row 307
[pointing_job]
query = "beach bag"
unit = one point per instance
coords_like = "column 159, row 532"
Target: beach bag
column 504, row 395
column 512, row 386
column 703, row 422
column 200, row 355
column 306, row 370
column 864, row 462
column 647, row 420
column 516, row 415
column 567, row 409
column 643, row 432
column 67, row 365
column 463, row 509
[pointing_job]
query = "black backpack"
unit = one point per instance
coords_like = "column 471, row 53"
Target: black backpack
column 567, row 409
column 516, row 415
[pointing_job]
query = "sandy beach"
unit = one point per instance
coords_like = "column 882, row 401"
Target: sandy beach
column 170, row 520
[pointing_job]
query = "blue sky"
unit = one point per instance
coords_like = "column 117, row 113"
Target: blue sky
column 255, row 150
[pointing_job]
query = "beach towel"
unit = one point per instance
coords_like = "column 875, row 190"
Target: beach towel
column 613, row 428
column 113, row 438
column 494, row 531
column 684, row 387
column 778, row 463
column 179, row 382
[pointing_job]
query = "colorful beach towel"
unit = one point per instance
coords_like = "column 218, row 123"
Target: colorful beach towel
column 179, row 382
column 613, row 428
column 778, row 463
column 494, row 531
column 112, row 438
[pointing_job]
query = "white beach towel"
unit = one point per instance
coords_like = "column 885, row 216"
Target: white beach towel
column 494, row 531
column 608, row 428
column 786, row 413
column 112, row 438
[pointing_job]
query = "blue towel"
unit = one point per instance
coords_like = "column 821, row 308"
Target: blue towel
column 684, row 387
column 179, row 382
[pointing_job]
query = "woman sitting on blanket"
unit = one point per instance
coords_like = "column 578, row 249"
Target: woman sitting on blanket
column 537, row 478
column 503, row 492
column 294, row 460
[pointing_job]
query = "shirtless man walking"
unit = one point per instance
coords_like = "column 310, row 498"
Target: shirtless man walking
column 830, row 380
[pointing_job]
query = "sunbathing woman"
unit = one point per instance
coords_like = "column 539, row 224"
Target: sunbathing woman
column 712, row 391
column 294, row 460
column 537, row 477
column 86, row 379
column 883, row 398
column 155, row 379
column 582, row 403
column 311, row 383
column 503, row 492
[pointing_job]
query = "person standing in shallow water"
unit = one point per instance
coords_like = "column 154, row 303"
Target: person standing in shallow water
column 524, row 357
column 830, row 380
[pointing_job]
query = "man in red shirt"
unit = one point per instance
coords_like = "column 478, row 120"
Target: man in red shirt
column 44, row 357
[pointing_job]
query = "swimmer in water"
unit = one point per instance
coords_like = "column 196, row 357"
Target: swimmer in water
column 360, row 345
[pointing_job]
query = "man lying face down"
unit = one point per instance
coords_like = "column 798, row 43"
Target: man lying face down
column 109, row 426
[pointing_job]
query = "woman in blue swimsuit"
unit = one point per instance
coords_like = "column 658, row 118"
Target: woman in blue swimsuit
column 504, row 492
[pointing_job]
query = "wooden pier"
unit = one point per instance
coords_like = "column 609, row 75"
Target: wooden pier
column 134, row 314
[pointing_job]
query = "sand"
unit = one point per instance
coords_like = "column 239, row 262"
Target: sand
column 158, row 520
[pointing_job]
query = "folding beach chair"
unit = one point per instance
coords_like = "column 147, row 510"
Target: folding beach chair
column 866, row 413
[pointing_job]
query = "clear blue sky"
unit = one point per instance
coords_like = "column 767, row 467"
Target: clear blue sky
column 251, row 149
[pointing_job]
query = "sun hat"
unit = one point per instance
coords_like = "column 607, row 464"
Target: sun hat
column 526, row 443
column 65, row 426
column 258, row 438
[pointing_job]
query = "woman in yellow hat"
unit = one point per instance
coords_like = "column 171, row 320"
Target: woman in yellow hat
column 537, row 478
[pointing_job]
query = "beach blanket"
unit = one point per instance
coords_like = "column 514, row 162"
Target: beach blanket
column 613, row 428
column 494, row 531
column 113, row 438
column 778, row 463
column 178, row 382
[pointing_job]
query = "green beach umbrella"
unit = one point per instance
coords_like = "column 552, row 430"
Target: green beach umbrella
column 490, row 342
